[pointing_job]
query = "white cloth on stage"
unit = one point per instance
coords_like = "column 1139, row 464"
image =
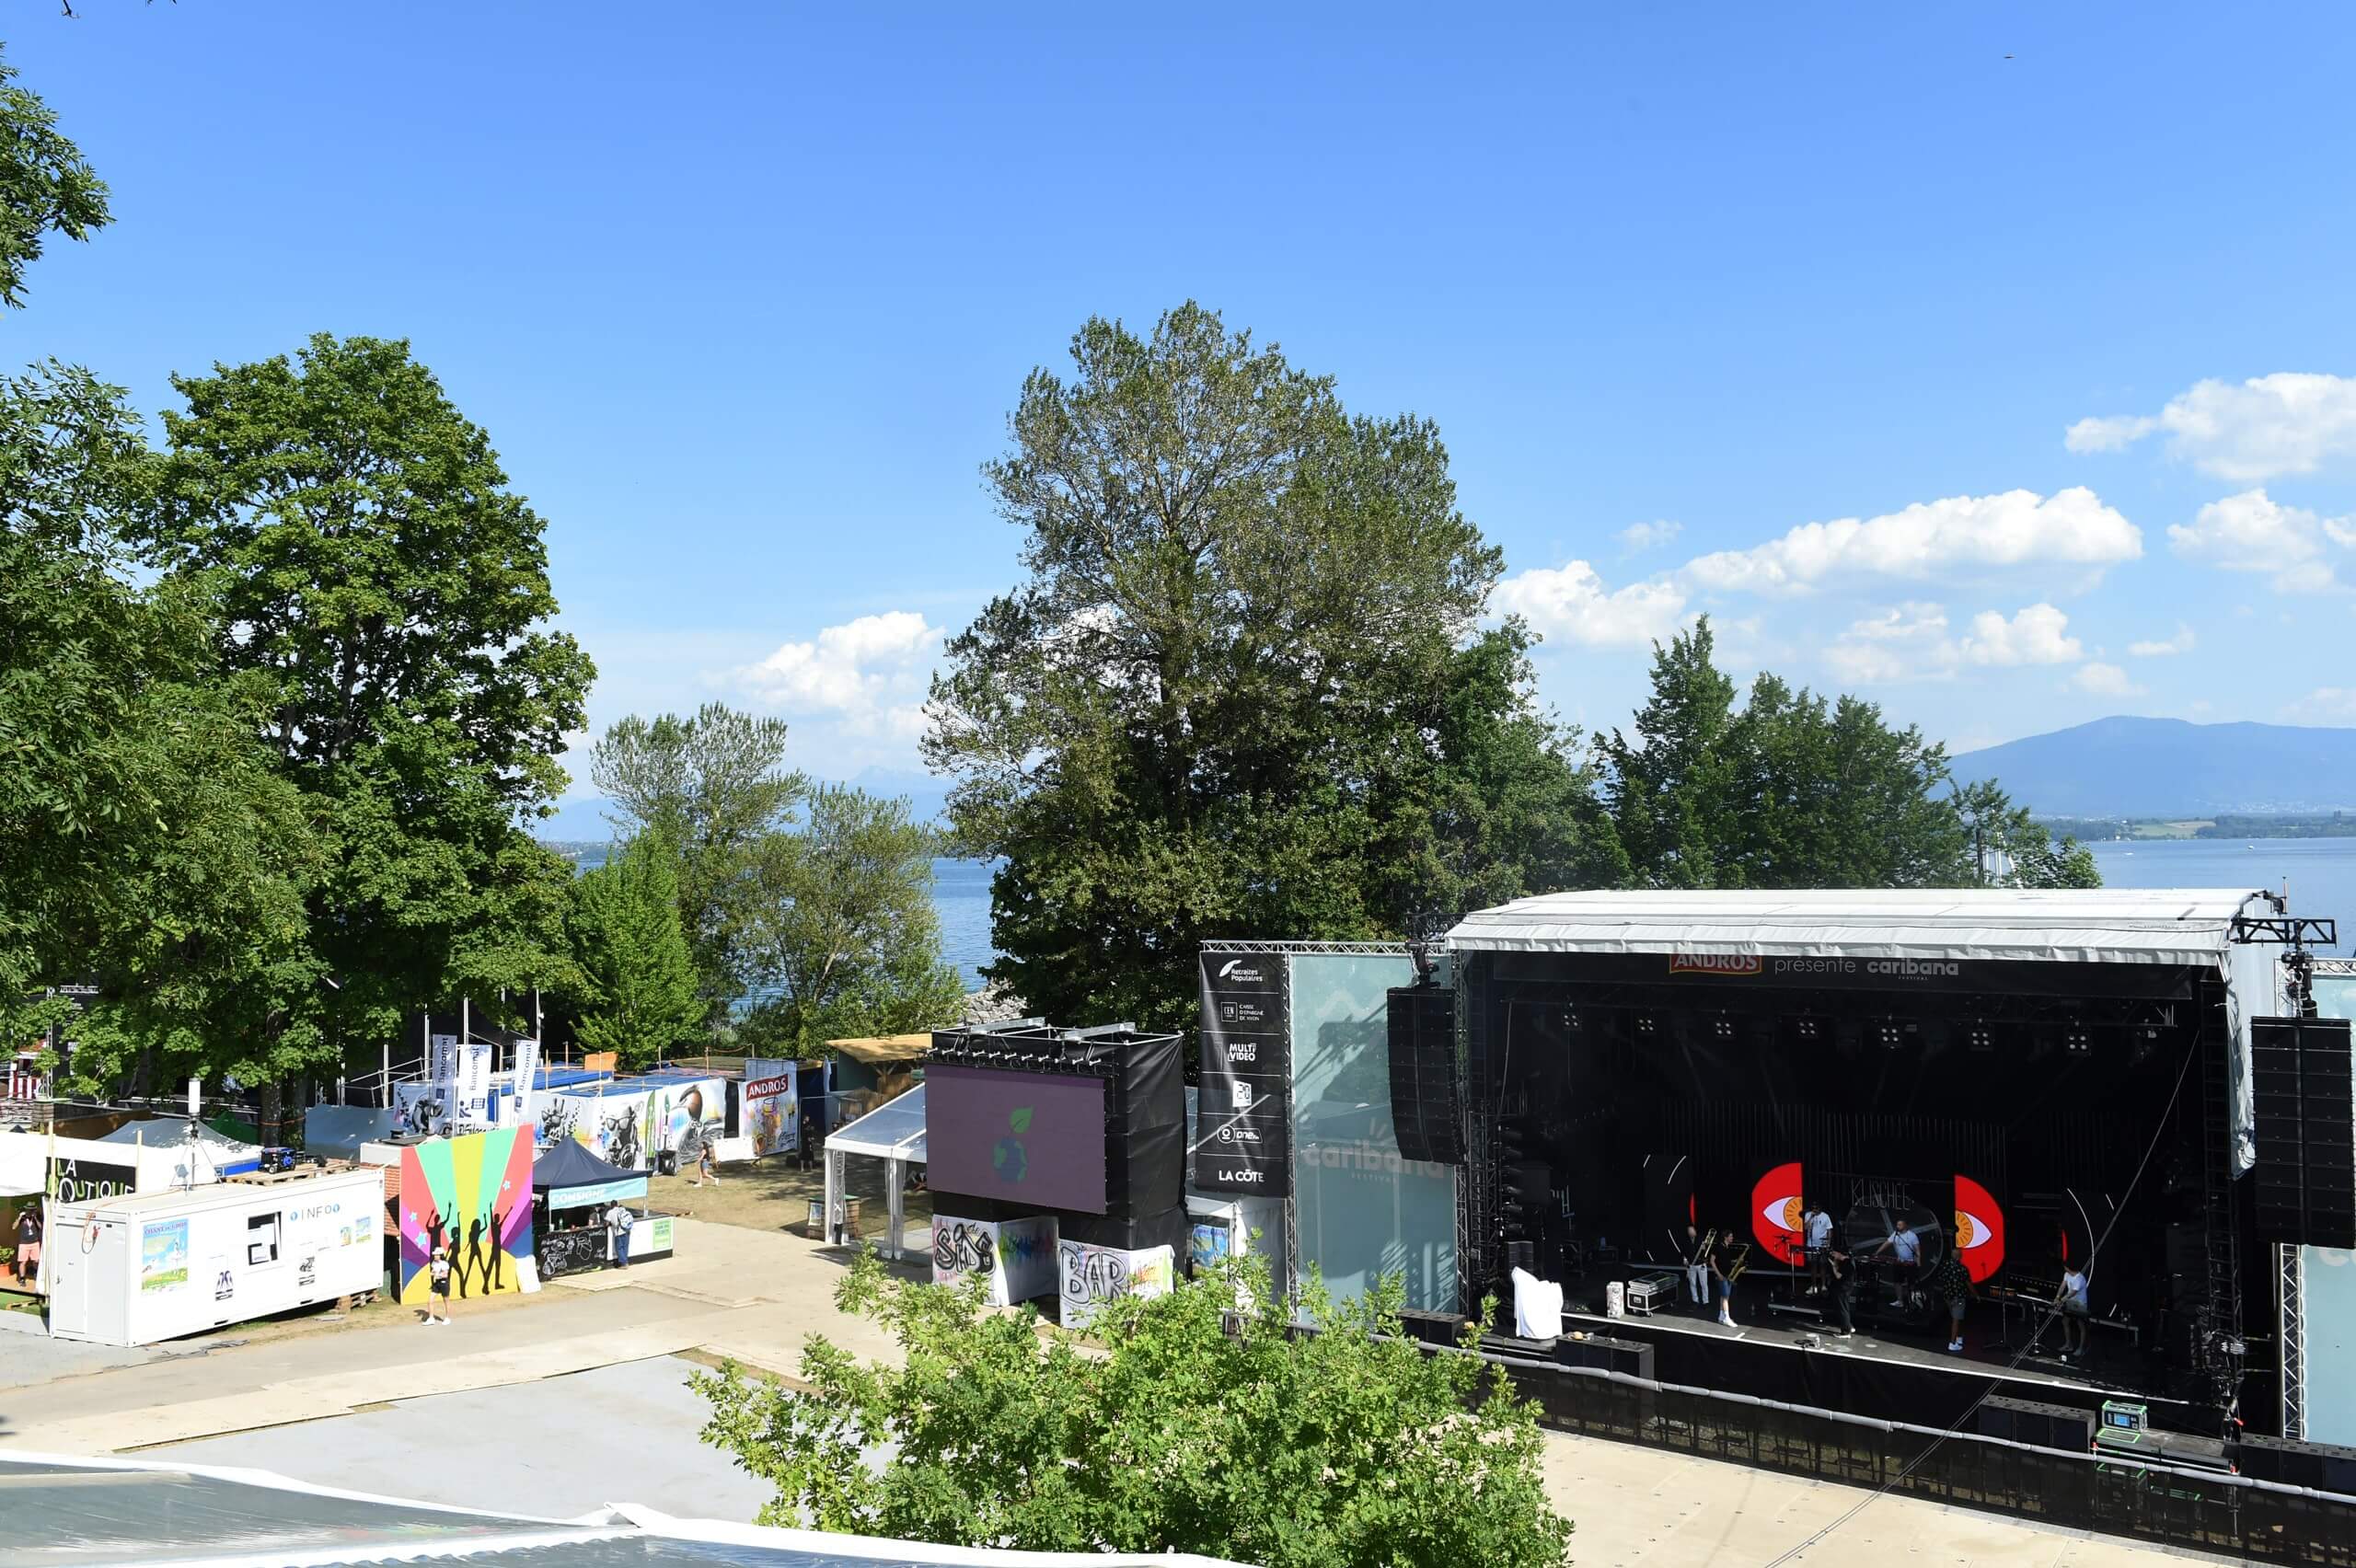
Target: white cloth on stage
column 1537, row 1307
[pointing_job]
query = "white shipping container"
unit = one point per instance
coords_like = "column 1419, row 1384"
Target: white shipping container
column 135, row 1270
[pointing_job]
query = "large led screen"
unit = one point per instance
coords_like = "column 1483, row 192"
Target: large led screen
column 1033, row 1138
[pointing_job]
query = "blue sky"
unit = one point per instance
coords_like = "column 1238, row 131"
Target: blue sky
column 743, row 294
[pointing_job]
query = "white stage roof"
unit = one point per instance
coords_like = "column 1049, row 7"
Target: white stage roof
column 2189, row 925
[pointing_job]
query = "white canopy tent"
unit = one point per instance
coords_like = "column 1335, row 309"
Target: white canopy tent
column 206, row 1155
column 893, row 1133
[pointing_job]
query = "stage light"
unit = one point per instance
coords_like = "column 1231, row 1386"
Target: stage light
column 1723, row 1028
column 1980, row 1036
column 2077, row 1039
column 1647, row 1026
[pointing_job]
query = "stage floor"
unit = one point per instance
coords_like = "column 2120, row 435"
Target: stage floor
column 1983, row 1354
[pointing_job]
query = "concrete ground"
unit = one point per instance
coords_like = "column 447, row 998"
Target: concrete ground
column 336, row 1398
column 617, row 1433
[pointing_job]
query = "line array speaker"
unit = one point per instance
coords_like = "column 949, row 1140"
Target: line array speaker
column 2321, row 1467
column 2301, row 1088
column 1425, row 1106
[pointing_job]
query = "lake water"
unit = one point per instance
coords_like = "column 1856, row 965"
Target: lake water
column 2319, row 873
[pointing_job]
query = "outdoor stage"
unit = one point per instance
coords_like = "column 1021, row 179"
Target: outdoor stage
column 2020, row 1085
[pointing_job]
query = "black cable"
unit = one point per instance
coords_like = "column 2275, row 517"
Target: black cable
column 2051, row 1313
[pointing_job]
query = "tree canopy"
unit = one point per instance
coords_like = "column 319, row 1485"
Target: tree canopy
column 46, row 185
column 716, row 788
column 637, row 985
column 1245, row 687
column 1795, row 790
column 1207, row 1424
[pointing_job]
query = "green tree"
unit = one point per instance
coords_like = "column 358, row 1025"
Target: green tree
column 2008, row 847
column 1337, row 1448
column 1244, row 689
column 715, row 788
column 637, row 985
column 1670, row 788
column 387, row 595
column 46, row 185
column 145, row 844
column 841, row 930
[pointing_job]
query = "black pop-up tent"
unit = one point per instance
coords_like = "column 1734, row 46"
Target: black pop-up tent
column 570, row 1176
column 566, row 1176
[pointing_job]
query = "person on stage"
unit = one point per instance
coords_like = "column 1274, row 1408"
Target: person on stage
column 1722, row 1278
column 1843, row 1276
column 1951, row 1283
column 2073, row 1301
column 1697, row 1267
column 1817, row 1225
column 1906, row 1249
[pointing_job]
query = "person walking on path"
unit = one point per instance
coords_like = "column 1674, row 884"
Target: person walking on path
column 437, row 1299
column 707, row 1167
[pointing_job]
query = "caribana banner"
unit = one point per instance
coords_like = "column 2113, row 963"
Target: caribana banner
column 472, row 1195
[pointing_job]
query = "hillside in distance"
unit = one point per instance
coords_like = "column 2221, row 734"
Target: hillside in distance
column 2170, row 767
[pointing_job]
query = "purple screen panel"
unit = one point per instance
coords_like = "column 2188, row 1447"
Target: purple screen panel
column 1036, row 1138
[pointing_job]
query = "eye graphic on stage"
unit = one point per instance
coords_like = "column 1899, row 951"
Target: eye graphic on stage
column 1775, row 1211
column 1979, row 1229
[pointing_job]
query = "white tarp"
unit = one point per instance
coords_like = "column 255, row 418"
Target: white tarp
column 2061, row 926
column 893, row 1133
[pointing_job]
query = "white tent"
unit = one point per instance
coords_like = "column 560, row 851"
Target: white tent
column 204, row 1155
column 893, row 1133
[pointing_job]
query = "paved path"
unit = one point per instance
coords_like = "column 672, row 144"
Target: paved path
column 755, row 1295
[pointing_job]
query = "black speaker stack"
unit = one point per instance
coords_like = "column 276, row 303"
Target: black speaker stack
column 2319, row 1467
column 2038, row 1425
column 1425, row 1106
column 2306, row 1175
column 1632, row 1358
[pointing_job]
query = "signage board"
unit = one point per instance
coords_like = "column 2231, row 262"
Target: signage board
column 1242, row 1124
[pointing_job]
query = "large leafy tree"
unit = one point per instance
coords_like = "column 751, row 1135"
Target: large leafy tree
column 1244, row 689
column 145, row 843
column 46, row 185
column 2009, row 847
column 841, row 935
column 1792, row 788
column 637, row 985
column 1208, row 1423
column 715, row 788
column 386, row 594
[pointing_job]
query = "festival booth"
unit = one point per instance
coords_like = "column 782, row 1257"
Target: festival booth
column 572, row 1189
column 893, row 1133
column 134, row 1270
column 654, row 1121
column 870, row 1071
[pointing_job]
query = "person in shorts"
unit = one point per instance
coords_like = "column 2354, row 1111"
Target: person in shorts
column 437, row 1301
column 29, row 1245
column 2073, row 1301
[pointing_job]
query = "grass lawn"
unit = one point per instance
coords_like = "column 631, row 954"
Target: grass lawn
column 776, row 1195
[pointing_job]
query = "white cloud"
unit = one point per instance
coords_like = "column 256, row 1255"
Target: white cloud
column 1932, row 539
column 847, row 669
column 2038, row 635
column 2104, row 680
column 2180, row 643
column 1638, row 537
column 1911, row 643
column 2270, row 425
column 1905, row 643
column 2253, row 532
column 1570, row 603
column 2326, row 705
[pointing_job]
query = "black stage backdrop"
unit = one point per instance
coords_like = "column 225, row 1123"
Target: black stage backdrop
column 1652, row 1102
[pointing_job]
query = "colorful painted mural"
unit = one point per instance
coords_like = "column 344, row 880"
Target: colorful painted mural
column 472, row 1195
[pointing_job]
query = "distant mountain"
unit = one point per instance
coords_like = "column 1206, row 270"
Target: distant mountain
column 2167, row 767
